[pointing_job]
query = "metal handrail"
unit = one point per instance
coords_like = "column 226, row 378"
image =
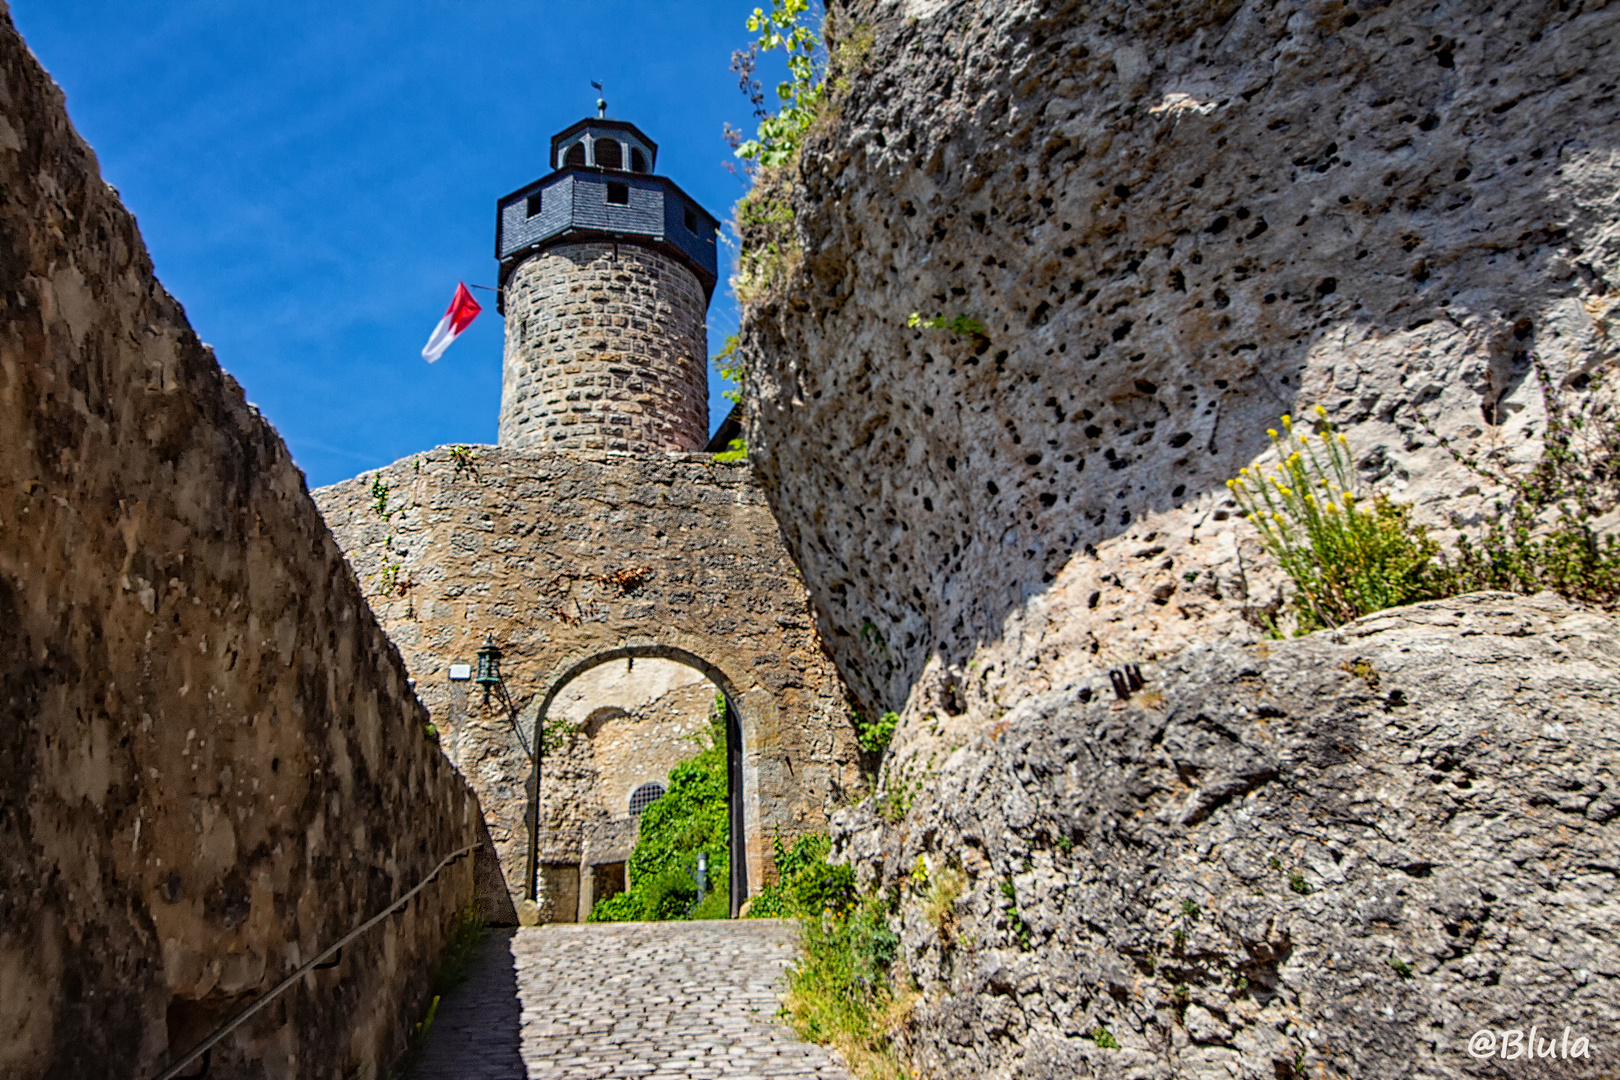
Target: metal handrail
column 242, row 1017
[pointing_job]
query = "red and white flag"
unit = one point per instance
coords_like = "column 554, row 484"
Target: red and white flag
column 463, row 310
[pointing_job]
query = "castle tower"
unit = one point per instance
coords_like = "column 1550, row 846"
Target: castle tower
column 606, row 271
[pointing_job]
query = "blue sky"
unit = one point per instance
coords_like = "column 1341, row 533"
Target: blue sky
column 314, row 178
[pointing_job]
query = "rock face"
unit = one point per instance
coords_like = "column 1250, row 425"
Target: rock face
column 1136, row 235
column 1318, row 857
column 1169, row 228
column 211, row 765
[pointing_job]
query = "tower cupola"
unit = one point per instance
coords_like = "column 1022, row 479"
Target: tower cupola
column 606, row 270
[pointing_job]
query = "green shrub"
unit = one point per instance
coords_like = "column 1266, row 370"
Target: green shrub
column 780, row 133
column 778, row 900
column 841, row 992
column 960, row 325
column 1578, row 476
column 668, row 895
column 874, row 735
column 1346, row 558
column 620, row 907
column 1570, row 558
column 824, row 887
column 691, row 818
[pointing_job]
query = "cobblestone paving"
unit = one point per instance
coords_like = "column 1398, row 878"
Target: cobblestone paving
column 655, row 1000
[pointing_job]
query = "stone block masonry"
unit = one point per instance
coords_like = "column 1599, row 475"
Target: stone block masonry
column 605, row 350
column 570, row 557
column 211, row 763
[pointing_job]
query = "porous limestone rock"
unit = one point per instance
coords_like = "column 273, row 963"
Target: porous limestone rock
column 1170, row 225
column 1331, row 856
column 1134, row 235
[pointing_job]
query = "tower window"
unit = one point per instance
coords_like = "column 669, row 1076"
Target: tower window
column 638, row 160
column 534, row 204
column 608, row 154
column 618, row 193
column 691, row 220
column 644, row 796
column 575, row 155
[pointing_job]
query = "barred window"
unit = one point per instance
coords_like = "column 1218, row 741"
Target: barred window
column 644, row 796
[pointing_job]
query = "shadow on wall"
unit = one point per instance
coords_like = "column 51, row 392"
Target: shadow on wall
column 1374, row 211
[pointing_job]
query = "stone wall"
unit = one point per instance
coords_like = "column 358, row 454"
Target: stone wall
column 636, row 742
column 605, row 350
column 567, row 559
column 1171, row 229
column 211, row 764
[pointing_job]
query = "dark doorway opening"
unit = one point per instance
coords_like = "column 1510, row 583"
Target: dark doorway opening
column 734, row 806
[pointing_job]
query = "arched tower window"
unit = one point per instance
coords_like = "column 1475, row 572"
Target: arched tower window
column 644, row 796
column 638, row 160
column 608, row 154
column 575, row 155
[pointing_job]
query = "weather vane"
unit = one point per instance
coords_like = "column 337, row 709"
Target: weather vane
column 601, row 103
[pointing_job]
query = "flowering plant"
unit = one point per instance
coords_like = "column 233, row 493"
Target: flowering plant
column 1348, row 555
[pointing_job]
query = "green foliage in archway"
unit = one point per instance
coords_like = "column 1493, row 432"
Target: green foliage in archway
column 690, row 818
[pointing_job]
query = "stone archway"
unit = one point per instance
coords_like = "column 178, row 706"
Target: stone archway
column 569, row 560
column 750, row 710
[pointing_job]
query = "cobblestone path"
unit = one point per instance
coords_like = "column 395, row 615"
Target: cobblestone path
column 654, row 1000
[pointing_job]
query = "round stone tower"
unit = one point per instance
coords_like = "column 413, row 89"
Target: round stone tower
column 606, row 271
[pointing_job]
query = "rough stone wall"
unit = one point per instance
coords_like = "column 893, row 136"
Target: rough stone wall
column 1315, row 858
column 211, row 765
column 638, row 743
column 565, row 557
column 605, row 350
column 1173, row 227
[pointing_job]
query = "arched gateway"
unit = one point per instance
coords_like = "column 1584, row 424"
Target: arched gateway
column 599, row 531
column 749, row 711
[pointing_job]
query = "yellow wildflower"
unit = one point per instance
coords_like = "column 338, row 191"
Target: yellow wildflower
column 1321, row 412
column 1272, row 432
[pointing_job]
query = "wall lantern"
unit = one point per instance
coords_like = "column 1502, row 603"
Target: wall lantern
column 489, row 677
column 489, row 665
